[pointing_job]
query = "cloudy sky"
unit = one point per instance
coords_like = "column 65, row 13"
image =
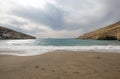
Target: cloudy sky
column 58, row 18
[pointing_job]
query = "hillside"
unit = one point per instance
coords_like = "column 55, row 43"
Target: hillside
column 6, row 33
column 111, row 32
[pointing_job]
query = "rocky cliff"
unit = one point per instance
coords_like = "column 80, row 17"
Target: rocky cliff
column 6, row 33
column 111, row 32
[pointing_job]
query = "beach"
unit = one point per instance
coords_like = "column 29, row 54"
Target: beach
column 61, row 65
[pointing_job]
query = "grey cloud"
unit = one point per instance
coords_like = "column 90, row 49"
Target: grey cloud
column 112, row 13
column 52, row 16
column 16, row 23
column 114, row 9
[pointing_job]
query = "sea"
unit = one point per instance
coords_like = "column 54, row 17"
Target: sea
column 40, row 46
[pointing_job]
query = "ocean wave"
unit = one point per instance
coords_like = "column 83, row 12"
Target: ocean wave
column 36, row 50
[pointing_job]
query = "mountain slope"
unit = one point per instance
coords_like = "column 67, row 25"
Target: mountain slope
column 6, row 33
column 111, row 32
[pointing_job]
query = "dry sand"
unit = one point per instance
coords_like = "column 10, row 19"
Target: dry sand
column 61, row 65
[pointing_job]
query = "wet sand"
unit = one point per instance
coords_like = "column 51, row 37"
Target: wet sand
column 61, row 65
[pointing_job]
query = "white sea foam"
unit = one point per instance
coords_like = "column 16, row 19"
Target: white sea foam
column 36, row 50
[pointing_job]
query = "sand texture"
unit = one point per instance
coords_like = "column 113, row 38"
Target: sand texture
column 61, row 65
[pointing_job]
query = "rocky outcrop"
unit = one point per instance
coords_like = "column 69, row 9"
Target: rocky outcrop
column 111, row 32
column 6, row 33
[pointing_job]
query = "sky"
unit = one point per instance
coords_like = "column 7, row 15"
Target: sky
column 58, row 18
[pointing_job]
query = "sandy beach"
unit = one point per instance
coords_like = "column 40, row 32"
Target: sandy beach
column 61, row 65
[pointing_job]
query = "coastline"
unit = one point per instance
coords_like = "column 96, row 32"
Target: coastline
column 61, row 65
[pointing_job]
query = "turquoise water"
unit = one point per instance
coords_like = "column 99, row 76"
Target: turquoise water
column 40, row 46
column 59, row 42
column 74, row 42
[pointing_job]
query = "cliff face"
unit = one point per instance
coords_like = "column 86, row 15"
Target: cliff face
column 6, row 33
column 111, row 32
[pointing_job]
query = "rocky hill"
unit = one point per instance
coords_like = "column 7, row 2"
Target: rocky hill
column 6, row 33
column 111, row 32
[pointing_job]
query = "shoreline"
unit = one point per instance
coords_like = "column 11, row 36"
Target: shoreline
column 61, row 65
column 27, row 53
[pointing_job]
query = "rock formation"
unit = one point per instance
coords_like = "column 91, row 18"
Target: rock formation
column 111, row 32
column 6, row 33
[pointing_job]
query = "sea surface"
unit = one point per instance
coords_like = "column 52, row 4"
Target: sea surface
column 40, row 46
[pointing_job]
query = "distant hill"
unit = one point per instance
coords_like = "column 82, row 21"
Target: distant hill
column 111, row 32
column 6, row 33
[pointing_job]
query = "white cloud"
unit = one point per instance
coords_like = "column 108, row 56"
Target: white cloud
column 25, row 3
